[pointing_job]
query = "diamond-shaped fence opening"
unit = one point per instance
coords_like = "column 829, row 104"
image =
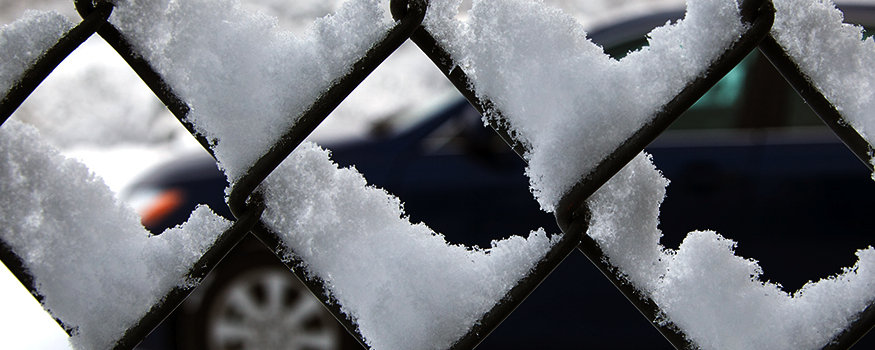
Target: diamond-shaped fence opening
column 593, row 179
column 390, row 283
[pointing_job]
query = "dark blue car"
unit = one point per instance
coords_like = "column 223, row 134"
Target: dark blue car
column 750, row 160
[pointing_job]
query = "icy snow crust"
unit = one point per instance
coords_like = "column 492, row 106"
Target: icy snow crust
column 714, row 296
column 97, row 267
column 402, row 284
column 560, row 93
column 24, row 41
column 833, row 55
column 244, row 80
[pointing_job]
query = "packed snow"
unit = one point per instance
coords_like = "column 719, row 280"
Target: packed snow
column 833, row 55
column 244, row 79
column 399, row 282
column 99, row 270
column 24, row 41
column 714, row 296
column 558, row 91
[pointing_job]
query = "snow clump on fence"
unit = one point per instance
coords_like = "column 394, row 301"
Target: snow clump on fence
column 403, row 285
column 714, row 296
column 559, row 93
column 97, row 268
column 245, row 80
column 24, row 41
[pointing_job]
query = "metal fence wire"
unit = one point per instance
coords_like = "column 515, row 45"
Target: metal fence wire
column 572, row 214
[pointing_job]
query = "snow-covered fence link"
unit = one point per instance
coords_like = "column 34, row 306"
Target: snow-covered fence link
column 27, row 74
column 31, row 71
column 572, row 211
column 251, row 96
column 86, row 257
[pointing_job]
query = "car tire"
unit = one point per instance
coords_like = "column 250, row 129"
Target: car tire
column 256, row 303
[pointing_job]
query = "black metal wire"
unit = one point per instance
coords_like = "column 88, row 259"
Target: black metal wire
column 45, row 64
column 15, row 96
column 523, row 288
column 243, row 191
column 213, row 256
column 289, row 257
column 492, row 319
column 647, row 307
column 816, row 100
column 16, row 265
column 572, row 201
column 324, row 105
column 573, row 207
column 827, row 112
column 304, row 125
column 444, row 61
column 146, row 72
column 853, row 333
column 572, row 214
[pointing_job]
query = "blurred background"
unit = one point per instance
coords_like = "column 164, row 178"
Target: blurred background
column 94, row 108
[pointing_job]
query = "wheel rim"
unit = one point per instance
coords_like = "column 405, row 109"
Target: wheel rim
column 269, row 308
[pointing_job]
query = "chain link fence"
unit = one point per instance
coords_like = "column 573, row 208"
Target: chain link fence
column 247, row 194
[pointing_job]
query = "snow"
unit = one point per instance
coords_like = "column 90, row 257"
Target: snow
column 625, row 215
column 400, row 85
column 244, row 80
column 25, row 324
column 833, row 55
column 568, row 107
column 94, row 108
column 682, row 281
column 714, row 296
column 399, row 282
column 93, row 98
column 24, row 41
column 121, row 165
column 97, row 267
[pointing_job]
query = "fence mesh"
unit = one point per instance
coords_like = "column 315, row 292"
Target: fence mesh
column 573, row 211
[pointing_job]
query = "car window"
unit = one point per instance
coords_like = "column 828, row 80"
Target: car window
column 751, row 96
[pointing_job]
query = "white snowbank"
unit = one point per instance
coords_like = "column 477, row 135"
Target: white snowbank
column 560, row 93
column 833, row 55
column 97, row 267
column 245, row 80
column 24, row 41
column 715, row 297
column 403, row 285
column 93, row 98
column 94, row 108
